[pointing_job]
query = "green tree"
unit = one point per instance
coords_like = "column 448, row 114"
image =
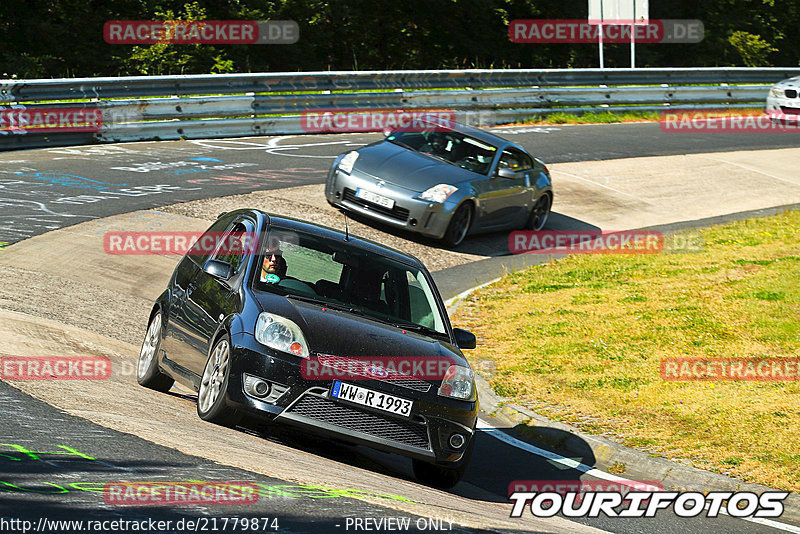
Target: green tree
column 753, row 49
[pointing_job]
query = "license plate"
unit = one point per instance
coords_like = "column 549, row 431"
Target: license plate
column 373, row 399
column 375, row 198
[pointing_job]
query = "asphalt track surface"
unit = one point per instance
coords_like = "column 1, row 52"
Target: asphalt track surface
column 45, row 189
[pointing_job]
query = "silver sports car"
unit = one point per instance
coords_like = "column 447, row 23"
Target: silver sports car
column 443, row 182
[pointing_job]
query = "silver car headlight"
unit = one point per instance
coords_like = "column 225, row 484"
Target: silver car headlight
column 281, row 334
column 438, row 193
column 346, row 165
column 458, row 383
column 776, row 91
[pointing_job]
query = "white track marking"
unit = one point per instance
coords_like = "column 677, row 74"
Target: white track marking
column 556, row 171
column 597, row 473
column 752, row 169
column 272, row 146
column 449, row 302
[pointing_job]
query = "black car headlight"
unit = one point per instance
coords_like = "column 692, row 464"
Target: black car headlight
column 458, row 383
column 281, row 334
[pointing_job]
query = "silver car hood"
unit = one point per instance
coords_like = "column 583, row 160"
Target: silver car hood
column 408, row 169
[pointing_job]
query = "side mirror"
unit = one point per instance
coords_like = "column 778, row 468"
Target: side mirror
column 506, row 173
column 464, row 339
column 221, row 270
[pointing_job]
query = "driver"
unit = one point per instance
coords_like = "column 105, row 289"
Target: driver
column 436, row 145
column 274, row 263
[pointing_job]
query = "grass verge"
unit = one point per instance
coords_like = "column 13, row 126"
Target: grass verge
column 609, row 117
column 580, row 341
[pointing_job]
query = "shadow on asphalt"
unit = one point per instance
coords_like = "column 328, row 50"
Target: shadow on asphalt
column 494, row 467
column 490, row 244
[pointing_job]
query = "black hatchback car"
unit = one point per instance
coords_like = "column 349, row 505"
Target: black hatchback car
column 315, row 328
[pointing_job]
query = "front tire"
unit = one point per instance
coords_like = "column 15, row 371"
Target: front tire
column 459, row 225
column 147, row 372
column 212, row 405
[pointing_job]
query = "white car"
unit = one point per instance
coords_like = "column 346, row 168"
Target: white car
column 783, row 101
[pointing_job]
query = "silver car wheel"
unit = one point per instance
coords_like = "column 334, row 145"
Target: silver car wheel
column 149, row 346
column 213, row 376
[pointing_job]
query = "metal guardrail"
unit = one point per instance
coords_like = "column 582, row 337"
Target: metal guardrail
column 204, row 106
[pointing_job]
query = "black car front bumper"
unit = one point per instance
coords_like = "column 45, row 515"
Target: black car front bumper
column 307, row 404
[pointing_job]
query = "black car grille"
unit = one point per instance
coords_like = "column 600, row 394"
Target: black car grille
column 790, row 111
column 352, row 419
column 404, row 381
column 790, row 93
column 401, row 214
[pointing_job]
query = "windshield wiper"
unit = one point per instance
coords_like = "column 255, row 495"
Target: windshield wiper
column 439, row 158
column 402, row 144
column 325, row 303
column 420, row 329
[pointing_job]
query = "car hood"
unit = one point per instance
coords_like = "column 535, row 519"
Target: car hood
column 339, row 333
column 791, row 82
column 406, row 168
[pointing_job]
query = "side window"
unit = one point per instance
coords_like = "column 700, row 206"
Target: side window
column 515, row 160
column 509, row 161
column 205, row 245
column 420, row 308
column 527, row 162
column 235, row 243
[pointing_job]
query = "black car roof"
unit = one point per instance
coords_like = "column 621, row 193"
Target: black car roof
column 327, row 232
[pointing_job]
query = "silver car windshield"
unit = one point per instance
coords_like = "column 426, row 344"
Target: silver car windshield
column 306, row 267
column 449, row 146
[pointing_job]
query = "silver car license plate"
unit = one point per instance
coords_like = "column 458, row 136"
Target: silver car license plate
column 375, row 198
column 373, row 399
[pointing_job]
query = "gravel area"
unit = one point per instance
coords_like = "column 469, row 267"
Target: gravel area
column 308, row 203
column 81, row 304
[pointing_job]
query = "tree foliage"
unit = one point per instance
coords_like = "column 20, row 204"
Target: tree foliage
column 55, row 38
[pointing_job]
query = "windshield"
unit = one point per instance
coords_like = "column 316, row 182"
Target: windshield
column 450, row 146
column 307, row 267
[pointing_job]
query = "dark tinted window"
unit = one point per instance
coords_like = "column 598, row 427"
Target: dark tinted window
column 235, row 243
column 200, row 252
column 515, row 160
column 337, row 274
